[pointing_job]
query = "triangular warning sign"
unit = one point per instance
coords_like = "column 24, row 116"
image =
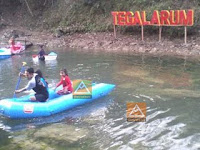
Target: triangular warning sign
column 82, row 89
column 136, row 112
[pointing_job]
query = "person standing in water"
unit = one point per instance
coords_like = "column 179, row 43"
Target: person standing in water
column 41, row 53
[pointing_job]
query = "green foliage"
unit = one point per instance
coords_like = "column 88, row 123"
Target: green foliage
column 95, row 15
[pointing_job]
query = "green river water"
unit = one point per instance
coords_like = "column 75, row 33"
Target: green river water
column 169, row 86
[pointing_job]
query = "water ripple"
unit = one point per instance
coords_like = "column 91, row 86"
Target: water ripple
column 147, row 97
column 156, row 133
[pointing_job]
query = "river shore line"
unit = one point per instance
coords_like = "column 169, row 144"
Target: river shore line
column 105, row 42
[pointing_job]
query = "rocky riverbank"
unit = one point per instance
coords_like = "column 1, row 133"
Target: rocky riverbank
column 129, row 44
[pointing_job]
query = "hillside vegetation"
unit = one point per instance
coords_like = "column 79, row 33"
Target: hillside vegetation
column 69, row 16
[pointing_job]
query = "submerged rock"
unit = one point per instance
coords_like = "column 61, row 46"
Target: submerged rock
column 61, row 132
column 51, row 137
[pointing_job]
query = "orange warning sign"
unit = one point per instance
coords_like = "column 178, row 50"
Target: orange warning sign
column 136, row 112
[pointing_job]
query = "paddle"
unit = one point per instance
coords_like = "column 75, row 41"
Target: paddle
column 22, row 70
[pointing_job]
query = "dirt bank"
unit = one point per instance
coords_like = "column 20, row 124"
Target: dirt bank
column 130, row 44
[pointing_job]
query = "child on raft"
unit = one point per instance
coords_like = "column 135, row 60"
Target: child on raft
column 65, row 82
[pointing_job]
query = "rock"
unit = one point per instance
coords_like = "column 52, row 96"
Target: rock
column 132, row 44
column 141, row 49
column 61, row 132
column 59, row 33
column 147, row 50
column 153, row 50
column 57, row 134
column 125, row 49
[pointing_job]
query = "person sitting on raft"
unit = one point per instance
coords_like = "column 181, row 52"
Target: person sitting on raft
column 65, row 82
column 12, row 44
column 41, row 93
column 12, row 41
column 41, row 53
column 39, row 72
column 15, row 48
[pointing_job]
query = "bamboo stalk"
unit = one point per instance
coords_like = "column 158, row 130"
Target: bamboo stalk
column 52, row 3
column 29, row 8
column 45, row 2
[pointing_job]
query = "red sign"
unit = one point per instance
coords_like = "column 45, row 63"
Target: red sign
column 162, row 18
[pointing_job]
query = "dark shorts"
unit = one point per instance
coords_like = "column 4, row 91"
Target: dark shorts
column 42, row 58
column 41, row 97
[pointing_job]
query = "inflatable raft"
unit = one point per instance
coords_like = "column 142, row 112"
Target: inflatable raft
column 17, row 48
column 23, row 108
column 5, row 53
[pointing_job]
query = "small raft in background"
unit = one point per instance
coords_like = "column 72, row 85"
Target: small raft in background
column 5, row 53
column 17, row 48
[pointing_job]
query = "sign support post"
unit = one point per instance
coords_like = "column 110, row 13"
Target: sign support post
column 142, row 32
column 115, row 35
column 160, row 32
column 185, row 35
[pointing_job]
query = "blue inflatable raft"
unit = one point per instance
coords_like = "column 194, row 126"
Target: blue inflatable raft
column 22, row 107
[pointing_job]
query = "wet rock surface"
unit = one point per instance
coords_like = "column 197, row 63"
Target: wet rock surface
column 52, row 137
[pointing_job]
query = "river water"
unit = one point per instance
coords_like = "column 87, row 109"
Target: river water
column 169, row 87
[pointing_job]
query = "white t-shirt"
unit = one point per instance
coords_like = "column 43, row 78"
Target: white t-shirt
column 32, row 83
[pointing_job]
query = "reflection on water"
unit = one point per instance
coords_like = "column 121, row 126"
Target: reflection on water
column 169, row 86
